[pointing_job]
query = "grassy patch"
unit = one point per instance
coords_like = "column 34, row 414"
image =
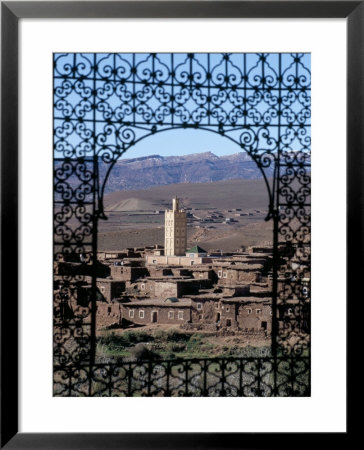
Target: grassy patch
column 173, row 343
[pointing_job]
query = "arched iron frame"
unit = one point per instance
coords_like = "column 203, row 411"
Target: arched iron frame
column 106, row 103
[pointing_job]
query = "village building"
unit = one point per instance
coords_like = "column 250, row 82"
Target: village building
column 235, row 290
column 254, row 314
column 203, row 272
column 237, row 273
column 177, row 260
column 193, row 288
column 194, row 256
column 170, row 286
column 110, row 289
column 108, row 314
column 244, row 314
column 168, row 311
column 120, row 254
column 127, row 273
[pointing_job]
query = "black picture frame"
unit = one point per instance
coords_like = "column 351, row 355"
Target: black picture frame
column 11, row 12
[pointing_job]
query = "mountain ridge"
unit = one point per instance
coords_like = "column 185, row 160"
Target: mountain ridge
column 147, row 171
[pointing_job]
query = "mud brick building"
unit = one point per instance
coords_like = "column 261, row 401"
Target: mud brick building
column 181, row 272
column 237, row 273
column 169, row 286
column 169, row 311
column 254, row 314
column 235, row 290
column 213, row 291
column 203, row 273
column 161, row 271
column 127, row 273
column 108, row 314
column 253, row 258
column 102, row 256
column 244, row 314
column 177, row 260
column 205, row 308
column 110, row 289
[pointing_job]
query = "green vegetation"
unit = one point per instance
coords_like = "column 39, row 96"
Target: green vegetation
column 170, row 344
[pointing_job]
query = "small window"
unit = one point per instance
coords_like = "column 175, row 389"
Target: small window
column 249, row 310
column 227, row 308
column 199, row 305
column 258, row 311
column 102, row 289
column 219, row 273
column 192, row 263
column 170, row 314
column 182, row 242
column 141, row 314
column 142, row 287
column 224, row 275
column 177, row 241
column 154, row 261
column 131, row 313
column 180, row 315
column 217, row 306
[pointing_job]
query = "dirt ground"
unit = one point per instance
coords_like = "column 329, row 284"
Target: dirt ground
column 222, row 236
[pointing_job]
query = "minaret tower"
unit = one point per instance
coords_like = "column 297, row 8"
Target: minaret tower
column 175, row 230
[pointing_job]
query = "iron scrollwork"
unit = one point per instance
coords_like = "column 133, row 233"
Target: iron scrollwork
column 106, row 103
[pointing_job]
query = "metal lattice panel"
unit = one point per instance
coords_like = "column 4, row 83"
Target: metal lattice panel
column 106, row 103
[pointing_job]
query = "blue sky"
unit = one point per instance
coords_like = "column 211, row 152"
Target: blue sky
column 74, row 103
column 183, row 142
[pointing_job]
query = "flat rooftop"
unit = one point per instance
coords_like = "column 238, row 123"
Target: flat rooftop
column 170, row 278
column 246, row 299
column 183, row 302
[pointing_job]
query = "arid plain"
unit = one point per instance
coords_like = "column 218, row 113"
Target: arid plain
column 221, row 215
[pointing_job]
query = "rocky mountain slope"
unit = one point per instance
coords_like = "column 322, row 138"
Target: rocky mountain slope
column 148, row 171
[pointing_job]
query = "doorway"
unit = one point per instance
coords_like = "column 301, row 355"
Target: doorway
column 154, row 316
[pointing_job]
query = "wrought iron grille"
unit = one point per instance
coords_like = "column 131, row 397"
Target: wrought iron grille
column 106, row 103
